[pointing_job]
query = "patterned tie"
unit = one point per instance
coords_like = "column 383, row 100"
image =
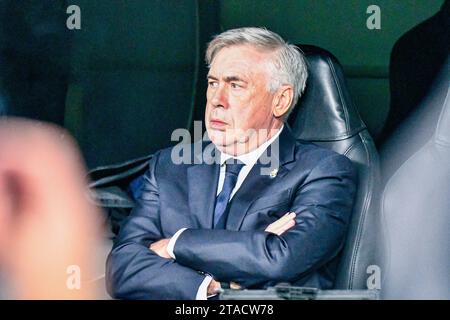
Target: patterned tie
column 233, row 166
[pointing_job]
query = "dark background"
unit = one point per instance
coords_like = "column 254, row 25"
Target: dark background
column 135, row 71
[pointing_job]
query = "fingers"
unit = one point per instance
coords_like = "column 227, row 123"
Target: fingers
column 235, row 286
column 282, row 229
column 283, row 224
column 213, row 287
column 160, row 248
column 283, row 220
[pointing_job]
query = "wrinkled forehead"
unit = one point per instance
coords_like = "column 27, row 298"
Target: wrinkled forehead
column 242, row 59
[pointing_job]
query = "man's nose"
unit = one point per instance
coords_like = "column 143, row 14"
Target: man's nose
column 219, row 98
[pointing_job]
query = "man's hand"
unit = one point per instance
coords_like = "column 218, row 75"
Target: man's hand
column 283, row 224
column 160, row 248
column 213, row 286
column 278, row 227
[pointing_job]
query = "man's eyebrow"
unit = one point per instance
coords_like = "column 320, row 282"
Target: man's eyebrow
column 234, row 78
column 227, row 79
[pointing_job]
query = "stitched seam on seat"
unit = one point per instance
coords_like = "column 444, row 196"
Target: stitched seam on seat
column 349, row 149
column 364, row 212
column 442, row 114
column 352, row 263
column 344, row 136
column 344, row 105
column 367, row 203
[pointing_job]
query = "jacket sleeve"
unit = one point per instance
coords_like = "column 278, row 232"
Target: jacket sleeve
column 323, row 205
column 133, row 271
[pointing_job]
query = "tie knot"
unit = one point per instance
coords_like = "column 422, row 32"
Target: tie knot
column 233, row 166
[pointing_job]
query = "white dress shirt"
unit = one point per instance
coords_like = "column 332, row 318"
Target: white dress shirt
column 249, row 159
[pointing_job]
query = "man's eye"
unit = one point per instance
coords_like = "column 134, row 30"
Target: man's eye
column 235, row 85
column 213, row 84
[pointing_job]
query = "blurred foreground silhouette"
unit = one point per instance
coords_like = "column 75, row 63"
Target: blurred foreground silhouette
column 48, row 228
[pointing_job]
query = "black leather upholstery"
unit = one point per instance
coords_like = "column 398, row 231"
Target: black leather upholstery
column 327, row 116
column 416, row 199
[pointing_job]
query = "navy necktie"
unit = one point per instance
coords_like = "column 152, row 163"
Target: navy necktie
column 231, row 175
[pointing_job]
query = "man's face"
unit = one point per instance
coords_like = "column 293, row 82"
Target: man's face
column 238, row 98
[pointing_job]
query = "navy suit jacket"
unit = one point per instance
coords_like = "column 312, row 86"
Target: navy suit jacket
column 317, row 183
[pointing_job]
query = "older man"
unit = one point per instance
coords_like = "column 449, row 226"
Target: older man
column 199, row 226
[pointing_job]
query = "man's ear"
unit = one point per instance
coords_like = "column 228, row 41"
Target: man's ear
column 282, row 100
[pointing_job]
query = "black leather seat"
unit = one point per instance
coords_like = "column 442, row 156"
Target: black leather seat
column 327, row 116
column 416, row 199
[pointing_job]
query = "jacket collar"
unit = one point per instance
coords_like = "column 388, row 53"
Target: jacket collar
column 203, row 179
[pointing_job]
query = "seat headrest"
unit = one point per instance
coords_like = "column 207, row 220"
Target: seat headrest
column 326, row 102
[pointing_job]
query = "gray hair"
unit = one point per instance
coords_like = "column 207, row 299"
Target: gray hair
column 288, row 63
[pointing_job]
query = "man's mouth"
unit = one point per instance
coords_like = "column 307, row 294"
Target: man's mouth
column 217, row 124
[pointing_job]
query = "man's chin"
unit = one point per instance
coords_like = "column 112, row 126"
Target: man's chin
column 228, row 141
column 218, row 137
column 220, row 142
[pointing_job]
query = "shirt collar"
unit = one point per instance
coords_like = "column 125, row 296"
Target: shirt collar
column 250, row 158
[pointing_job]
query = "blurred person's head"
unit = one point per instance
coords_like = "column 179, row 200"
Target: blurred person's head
column 255, row 79
column 48, row 228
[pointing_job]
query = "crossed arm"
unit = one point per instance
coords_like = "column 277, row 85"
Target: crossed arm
column 283, row 252
column 278, row 227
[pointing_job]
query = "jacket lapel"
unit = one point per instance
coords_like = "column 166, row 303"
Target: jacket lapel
column 259, row 178
column 202, row 188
